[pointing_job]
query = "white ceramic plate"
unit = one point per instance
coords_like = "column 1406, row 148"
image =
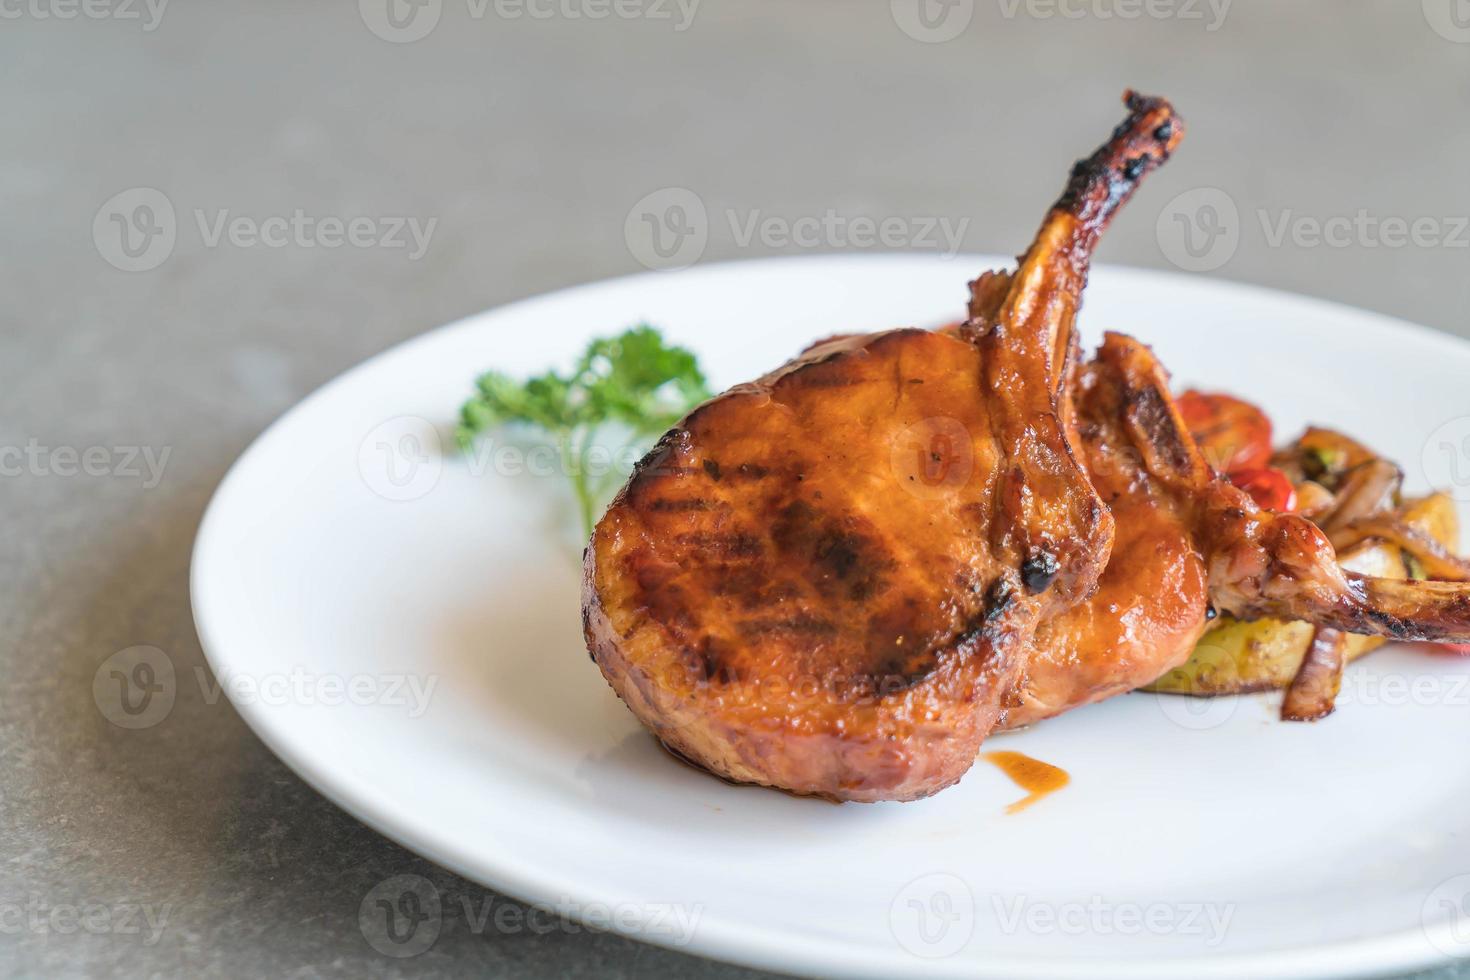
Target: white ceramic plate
column 345, row 559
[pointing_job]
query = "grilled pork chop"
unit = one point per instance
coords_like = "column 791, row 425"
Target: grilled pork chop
column 840, row 578
column 828, row 580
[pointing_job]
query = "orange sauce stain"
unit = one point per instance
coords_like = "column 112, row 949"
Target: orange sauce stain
column 1034, row 776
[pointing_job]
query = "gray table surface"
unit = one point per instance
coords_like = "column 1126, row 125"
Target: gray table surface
column 530, row 140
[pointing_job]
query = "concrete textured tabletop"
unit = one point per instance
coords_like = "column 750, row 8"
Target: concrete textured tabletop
column 148, row 336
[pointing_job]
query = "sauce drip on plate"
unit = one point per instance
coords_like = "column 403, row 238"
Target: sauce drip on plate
column 1034, row 776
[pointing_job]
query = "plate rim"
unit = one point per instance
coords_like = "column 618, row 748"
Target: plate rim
column 759, row 946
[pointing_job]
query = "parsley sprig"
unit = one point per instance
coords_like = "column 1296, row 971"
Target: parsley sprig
column 635, row 381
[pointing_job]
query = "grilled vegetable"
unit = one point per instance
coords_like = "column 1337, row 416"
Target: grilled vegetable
column 1233, row 434
column 1268, row 487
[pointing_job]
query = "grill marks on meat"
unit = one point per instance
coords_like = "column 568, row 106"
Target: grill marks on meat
column 826, row 580
column 838, row 579
column 820, row 601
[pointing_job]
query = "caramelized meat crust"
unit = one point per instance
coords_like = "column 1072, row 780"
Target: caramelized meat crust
column 827, row 581
column 1151, row 604
column 839, row 579
column 803, row 577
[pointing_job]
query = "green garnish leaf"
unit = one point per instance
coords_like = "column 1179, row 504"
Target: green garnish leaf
column 636, row 381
